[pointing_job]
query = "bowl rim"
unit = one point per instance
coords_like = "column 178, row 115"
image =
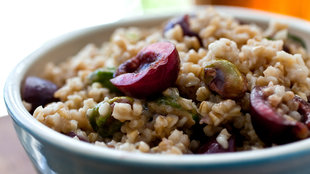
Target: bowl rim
column 23, row 119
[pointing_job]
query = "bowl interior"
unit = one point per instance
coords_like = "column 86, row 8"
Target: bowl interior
column 68, row 45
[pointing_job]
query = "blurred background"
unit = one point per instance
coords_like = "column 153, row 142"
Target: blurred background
column 26, row 25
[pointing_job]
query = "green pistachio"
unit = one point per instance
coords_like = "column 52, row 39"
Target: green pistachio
column 103, row 76
column 103, row 122
column 224, row 78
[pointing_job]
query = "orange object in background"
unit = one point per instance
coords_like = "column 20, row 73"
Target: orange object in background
column 297, row 8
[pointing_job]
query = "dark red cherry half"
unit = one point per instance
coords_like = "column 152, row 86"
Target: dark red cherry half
column 269, row 125
column 154, row 69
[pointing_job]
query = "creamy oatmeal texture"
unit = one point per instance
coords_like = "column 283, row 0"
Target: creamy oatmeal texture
column 191, row 114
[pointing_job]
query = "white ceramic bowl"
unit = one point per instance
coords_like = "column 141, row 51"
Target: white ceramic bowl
column 52, row 152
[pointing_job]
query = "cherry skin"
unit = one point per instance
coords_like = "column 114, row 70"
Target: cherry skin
column 270, row 126
column 154, row 69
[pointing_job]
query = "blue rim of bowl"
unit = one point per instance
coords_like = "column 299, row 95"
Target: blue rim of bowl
column 22, row 117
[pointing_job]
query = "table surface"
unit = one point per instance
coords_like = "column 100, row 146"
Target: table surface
column 13, row 158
